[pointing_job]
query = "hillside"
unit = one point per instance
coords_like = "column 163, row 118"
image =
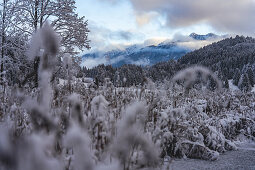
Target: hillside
column 231, row 58
column 139, row 55
column 224, row 56
column 148, row 55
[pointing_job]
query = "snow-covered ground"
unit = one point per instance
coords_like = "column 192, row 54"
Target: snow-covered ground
column 242, row 158
column 253, row 89
column 232, row 87
column 137, row 127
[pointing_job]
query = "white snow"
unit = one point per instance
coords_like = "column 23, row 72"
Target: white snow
column 232, row 87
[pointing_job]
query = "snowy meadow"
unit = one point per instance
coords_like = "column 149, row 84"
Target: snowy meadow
column 161, row 96
column 73, row 123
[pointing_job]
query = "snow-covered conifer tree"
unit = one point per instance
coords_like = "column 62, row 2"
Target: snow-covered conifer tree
column 244, row 83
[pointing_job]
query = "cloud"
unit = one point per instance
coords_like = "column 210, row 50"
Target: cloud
column 190, row 43
column 143, row 18
column 105, row 39
column 196, row 44
column 183, row 38
column 113, row 2
column 153, row 41
column 141, row 62
column 91, row 62
column 121, row 35
column 235, row 16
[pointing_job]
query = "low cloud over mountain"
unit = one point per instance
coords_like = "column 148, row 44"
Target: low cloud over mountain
column 150, row 52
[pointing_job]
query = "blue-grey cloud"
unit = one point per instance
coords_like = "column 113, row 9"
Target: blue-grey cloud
column 235, row 16
column 104, row 39
column 121, row 35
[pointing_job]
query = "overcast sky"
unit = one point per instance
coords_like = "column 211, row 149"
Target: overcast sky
column 114, row 23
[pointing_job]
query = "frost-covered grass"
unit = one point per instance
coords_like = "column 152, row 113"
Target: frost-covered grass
column 122, row 128
column 73, row 124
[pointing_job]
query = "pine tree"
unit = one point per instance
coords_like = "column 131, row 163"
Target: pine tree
column 250, row 76
column 236, row 77
column 211, row 84
column 244, row 83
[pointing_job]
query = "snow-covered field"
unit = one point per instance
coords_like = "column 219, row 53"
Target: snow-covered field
column 242, row 158
column 73, row 125
column 77, row 124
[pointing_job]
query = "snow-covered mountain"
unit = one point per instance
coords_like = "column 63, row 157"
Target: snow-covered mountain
column 145, row 55
column 203, row 37
column 135, row 54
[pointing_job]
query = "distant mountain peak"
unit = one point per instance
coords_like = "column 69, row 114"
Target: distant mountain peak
column 202, row 37
column 138, row 54
column 167, row 42
column 141, row 54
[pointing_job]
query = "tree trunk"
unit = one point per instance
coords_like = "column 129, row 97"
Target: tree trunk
column 3, row 41
column 37, row 59
column 36, row 67
column 36, row 14
column 42, row 14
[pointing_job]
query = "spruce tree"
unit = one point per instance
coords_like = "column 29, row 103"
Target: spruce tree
column 244, row 83
column 250, row 76
column 236, row 77
column 211, row 85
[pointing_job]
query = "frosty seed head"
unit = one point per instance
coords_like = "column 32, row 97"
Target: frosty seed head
column 50, row 39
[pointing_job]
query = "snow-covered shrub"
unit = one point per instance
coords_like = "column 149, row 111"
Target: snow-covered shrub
column 79, row 142
column 131, row 146
column 191, row 75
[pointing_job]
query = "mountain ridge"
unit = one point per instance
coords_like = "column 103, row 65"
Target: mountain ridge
column 231, row 58
column 146, row 55
column 203, row 37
